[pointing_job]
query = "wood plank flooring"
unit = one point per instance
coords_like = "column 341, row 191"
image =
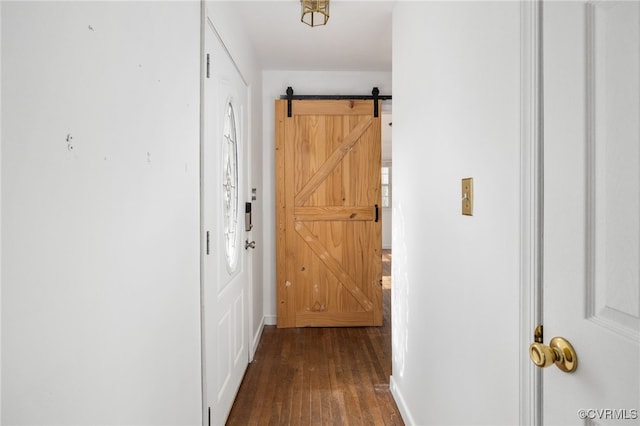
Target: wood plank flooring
column 321, row 376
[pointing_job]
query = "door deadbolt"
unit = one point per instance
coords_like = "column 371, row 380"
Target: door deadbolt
column 248, row 245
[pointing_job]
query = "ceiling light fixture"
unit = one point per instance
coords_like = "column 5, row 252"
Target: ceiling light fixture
column 315, row 12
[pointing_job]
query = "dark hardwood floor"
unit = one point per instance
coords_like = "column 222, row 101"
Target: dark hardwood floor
column 321, row 376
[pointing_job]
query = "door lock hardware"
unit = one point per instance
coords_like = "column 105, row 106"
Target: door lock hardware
column 538, row 336
column 559, row 352
column 248, row 226
column 248, row 245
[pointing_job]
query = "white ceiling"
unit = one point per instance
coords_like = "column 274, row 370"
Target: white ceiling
column 356, row 38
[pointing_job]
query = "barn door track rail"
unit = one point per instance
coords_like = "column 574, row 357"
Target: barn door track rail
column 375, row 96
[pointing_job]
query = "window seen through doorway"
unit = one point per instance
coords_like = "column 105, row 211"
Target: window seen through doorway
column 386, row 186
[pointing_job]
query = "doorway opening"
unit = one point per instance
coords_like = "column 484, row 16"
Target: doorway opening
column 386, row 192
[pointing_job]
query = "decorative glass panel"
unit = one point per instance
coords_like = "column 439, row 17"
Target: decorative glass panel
column 230, row 187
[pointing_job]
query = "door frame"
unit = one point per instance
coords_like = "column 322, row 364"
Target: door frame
column 531, row 206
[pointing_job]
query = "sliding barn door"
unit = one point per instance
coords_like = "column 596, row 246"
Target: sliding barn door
column 329, row 244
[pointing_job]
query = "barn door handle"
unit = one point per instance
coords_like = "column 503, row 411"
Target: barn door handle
column 559, row 352
column 377, row 213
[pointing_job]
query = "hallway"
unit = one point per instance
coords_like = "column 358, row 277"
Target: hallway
column 321, row 375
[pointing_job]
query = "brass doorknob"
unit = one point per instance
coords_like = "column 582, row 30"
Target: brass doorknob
column 559, row 352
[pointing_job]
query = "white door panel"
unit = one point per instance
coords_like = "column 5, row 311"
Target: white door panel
column 592, row 209
column 225, row 262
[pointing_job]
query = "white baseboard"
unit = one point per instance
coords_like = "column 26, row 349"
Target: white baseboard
column 402, row 406
column 270, row 320
column 256, row 340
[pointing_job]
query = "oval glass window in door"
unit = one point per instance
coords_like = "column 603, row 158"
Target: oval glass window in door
column 230, row 188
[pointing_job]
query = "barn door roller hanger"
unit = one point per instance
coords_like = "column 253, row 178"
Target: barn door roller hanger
column 375, row 96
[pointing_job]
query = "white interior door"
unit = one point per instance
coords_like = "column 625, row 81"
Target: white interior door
column 592, row 209
column 225, row 260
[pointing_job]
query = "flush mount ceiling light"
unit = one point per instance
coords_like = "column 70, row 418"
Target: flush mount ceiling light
column 315, row 12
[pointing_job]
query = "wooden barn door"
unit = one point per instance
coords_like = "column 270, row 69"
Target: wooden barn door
column 329, row 244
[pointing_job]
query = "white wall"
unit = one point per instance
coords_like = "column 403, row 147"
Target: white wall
column 0, row 217
column 275, row 84
column 387, row 133
column 456, row 106
column 229, row 26
column 100, row 213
